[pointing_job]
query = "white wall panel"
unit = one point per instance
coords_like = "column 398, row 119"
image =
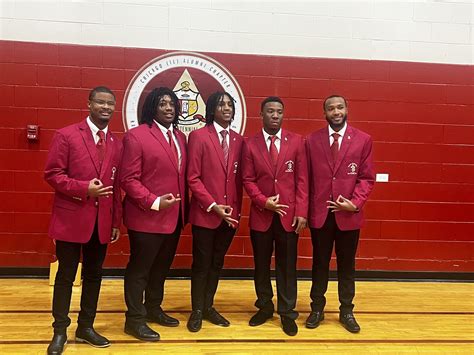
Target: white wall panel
column 251, row 22
column 390, row 50
column 40, row 31
column 213, row 20
column 108, row 35
column 451, row 33
column 136, row 15
column 411, row 30
column 392, row 10
column 59, row 11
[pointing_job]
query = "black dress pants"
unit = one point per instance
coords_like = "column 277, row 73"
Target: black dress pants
column 209, row 249
column 68, row 254
column 286, row 245
column 151, row 256
column 346, row 242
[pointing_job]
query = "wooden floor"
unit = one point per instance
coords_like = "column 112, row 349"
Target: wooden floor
column 395, row 317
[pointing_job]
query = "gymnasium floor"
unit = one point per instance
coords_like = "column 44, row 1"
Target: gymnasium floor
column 395, row 317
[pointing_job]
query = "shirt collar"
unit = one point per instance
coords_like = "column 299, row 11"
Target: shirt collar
column 219, row 128
column 94, row 128
column 341, row 132
column 164, row 129
column 266, row 135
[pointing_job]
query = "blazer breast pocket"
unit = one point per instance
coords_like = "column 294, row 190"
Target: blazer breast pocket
column 289, row 166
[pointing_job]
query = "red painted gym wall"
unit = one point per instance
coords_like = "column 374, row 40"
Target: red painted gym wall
column 420, row 116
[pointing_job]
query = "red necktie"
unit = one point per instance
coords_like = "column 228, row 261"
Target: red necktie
column 335, row 146
column 273, row 150
column 225, row 147
column 173, row 147
column 101, row 146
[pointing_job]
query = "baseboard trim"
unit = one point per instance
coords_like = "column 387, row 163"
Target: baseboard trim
column 365, row 275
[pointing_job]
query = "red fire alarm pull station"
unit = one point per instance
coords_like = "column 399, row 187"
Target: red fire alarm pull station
column 32, row 132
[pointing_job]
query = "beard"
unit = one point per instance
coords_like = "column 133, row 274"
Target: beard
column 337, row 126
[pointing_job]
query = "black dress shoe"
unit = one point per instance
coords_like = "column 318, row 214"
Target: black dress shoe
column 259, row 318
column 289, row 326
column 349, row 322
column 314, row 319
column 90, row 336
column 163, row 319
column 195, row 321
column 215, row 317
column 56, row 346
column 142, row 332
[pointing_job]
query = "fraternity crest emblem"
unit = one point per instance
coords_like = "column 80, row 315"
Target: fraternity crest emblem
column 193, row 108
column 193, row 77
column 289, row 166
column 352, row 169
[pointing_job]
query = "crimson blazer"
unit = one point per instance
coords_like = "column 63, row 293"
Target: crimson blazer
column 72, row 162
column 209, row 179
column 290, row 179
column 351, row 176
column 148, row 170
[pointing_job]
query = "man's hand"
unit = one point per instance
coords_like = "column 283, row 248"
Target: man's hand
column 97, row 189
column 225, row 212
column 115, row 235
column 273, row 205
column 168, row 200
column 341, row 204
column 300, row 223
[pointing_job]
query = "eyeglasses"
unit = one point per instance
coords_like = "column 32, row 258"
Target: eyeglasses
column 103, row 103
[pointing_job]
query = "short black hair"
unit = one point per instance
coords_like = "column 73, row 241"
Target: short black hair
column 100, row 89
column 332, row 97
column 212, row 103
column 151, row 103
column 271, row 99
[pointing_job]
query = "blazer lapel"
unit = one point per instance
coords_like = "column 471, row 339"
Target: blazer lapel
column 262, row 147
column 109, row 148
column 284, row 144
column 232, row 139
column 216, row 143
column 324, row 141
column 156, row 132
column 345, row 144
column 90, row 145
column 181, row 138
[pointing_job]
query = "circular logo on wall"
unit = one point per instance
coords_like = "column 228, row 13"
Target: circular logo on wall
column 193, row 77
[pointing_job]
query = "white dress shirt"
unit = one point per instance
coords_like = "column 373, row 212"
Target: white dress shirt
column 267, row 136
column 341, row 133
column 219, row 129
column 96, row 129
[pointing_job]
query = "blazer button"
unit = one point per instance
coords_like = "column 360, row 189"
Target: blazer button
column 276, row 180
column 334, row 178
column 225, row 196
column 96, row 203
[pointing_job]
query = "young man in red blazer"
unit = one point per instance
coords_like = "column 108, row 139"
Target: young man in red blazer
column 82, row 167
column 275, row 177
column 153, row 178
column 341, row 179
column 215, row 179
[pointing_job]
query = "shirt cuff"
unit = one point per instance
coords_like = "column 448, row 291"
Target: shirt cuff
column 210, row 207
column 156, row 204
